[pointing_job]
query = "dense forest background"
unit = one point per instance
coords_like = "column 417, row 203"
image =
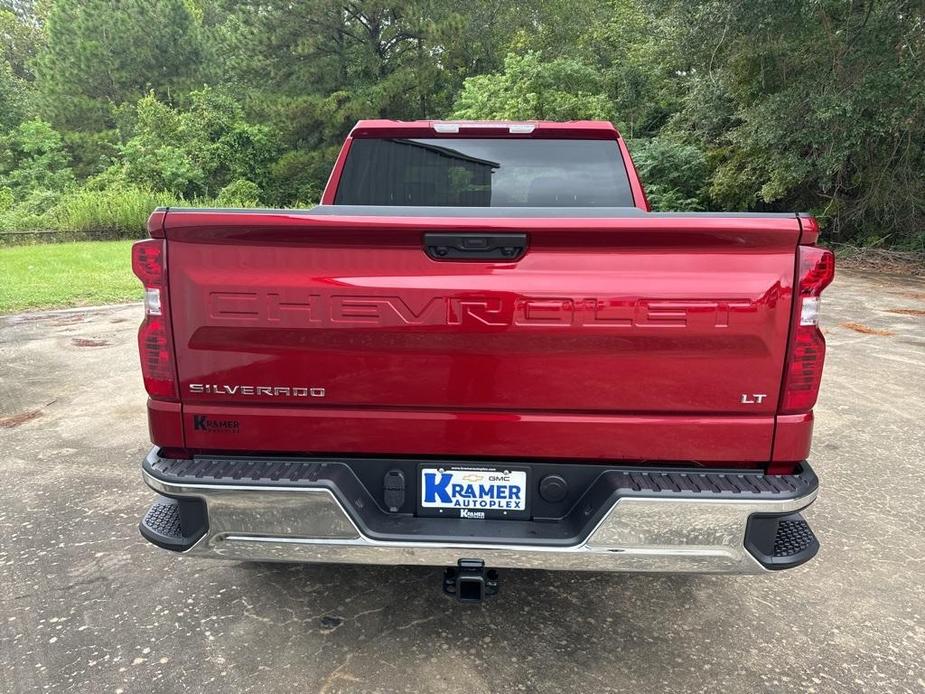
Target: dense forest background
column 110, row 107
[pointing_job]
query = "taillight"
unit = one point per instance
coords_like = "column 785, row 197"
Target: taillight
column 154, row 341
column 148, row 262
column 816, row 270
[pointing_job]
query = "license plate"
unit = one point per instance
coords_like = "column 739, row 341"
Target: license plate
column 472, row 492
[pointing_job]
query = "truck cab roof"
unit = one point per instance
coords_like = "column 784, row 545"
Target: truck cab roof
column 584, row 129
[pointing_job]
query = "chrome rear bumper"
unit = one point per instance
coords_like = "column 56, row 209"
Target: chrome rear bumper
column 310, row 523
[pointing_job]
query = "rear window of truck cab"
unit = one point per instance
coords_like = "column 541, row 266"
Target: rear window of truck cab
column 484, row 172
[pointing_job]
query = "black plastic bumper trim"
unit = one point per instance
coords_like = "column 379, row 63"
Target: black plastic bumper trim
column 174, row 524
column 781, row 541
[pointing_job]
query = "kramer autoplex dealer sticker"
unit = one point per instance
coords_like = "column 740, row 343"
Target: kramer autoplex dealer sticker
column 203, row 422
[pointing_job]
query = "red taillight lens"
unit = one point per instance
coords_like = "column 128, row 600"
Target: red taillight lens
column 154, row 341
column 807, row 345
column 148, row 262
column 817, row 270
column 804, row 371
column 156, row 358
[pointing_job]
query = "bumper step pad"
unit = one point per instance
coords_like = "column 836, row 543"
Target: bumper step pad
column 794, row 536
column 174, row 524
column 781, row 542
column 163, row 519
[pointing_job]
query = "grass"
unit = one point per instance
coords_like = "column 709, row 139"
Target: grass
column 66, row 274
column 116, row 209
column 119, row 211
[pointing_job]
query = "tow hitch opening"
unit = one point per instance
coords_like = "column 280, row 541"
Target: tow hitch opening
column 470, row 581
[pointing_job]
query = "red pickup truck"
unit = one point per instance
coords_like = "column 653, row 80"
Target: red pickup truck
column 482, row 350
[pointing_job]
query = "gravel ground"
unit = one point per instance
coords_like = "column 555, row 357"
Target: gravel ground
column 87, row 604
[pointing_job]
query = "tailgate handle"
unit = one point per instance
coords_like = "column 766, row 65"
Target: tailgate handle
column 475, row 246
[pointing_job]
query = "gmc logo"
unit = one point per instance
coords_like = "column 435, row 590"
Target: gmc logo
column 298, row 310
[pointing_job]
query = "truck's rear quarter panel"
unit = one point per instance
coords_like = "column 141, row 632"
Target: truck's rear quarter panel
column 628, row 338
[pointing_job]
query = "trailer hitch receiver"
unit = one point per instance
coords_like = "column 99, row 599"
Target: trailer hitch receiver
column 470, row 581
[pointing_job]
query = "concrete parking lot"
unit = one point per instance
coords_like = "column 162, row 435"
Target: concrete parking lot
column 88, row 605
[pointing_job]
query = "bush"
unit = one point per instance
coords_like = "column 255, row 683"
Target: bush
column 532, row 86
column 240, row 193
column 674, row 174
column 301, row 175
column 32, row 157
column 197, row 151
column 29, row 214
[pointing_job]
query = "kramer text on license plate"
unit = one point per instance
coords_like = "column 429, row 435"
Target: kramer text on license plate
column 474, row 490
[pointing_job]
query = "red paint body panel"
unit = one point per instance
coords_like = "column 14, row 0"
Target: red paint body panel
column 488, row 434
column 605, row 327
column 330, row 189
column 639, row 193
column 155, row 223
column 165, row 423
column 810, row 230
column 793, row 437
column 577, row 130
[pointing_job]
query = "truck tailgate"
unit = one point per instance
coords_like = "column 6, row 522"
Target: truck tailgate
column 622, row 338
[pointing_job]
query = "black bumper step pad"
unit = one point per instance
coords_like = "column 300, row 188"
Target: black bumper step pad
column 175, row 524
column 793, row 537
column 163, row 518
column 780, row 542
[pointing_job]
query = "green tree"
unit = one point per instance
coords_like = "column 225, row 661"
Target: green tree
column 381, row 52
column 100, row 54
column 12, row 98
column 531, row 87
column 675, row 174
column 32, row 157
column 19, row 41
column 812, row 105
column 774, row 104
column 196, row 151
column 312, row 69
column 636, row 51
